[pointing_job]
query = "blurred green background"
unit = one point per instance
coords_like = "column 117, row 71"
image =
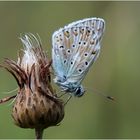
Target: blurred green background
column 115, row 73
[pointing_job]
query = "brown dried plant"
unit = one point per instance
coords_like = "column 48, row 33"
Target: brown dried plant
column 36, row 105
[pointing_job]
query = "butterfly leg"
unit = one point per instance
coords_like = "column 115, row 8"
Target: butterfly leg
column 62, row 94
column 68, row 99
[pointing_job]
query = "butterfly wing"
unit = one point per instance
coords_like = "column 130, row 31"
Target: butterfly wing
column 76, row 47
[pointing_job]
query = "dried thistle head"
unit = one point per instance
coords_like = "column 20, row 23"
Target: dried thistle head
column 36, row 105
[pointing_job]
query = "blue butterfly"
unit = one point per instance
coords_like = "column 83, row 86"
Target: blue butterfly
column 75, row 48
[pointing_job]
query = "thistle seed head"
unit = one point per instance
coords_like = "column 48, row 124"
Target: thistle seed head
column 36, row 104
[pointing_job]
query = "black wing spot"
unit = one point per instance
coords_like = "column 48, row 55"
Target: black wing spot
column 67, row 32
column 93, row 52
column 82, row 30
column 86, row 54
column 86, row 63
column 84, row 43
column 80, row 70
column 88, row 31
column 64, row 77
column 65, row 61
column 69, row 51
column 71, row 62
column 61, row 47
column 75, row 31
column 73, row 46
column 79, row 42
column 93, row 31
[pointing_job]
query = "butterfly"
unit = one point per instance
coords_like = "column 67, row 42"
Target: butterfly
column 75, row 48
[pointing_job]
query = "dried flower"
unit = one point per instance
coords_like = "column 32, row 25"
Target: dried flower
column 36, row 105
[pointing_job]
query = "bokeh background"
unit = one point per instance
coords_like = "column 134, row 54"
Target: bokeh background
column 115, row 73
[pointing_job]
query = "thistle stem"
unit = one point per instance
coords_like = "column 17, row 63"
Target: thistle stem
column 38, row 133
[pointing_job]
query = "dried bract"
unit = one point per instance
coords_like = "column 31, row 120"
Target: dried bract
column 36, row 105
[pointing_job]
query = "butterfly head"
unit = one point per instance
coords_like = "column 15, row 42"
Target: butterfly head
column 79, row 91
column 69, row 87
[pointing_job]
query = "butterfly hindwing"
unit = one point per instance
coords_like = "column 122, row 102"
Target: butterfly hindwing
column 76, row 47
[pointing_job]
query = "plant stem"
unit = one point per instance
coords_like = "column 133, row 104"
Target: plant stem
column 7, row 99
column 38, row 133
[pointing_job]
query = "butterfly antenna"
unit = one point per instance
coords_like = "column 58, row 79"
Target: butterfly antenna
column 102, row 94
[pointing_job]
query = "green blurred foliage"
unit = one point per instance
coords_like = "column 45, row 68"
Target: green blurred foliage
column 116, row 72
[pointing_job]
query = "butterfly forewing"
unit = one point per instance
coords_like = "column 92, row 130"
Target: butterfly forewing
column 76, row 47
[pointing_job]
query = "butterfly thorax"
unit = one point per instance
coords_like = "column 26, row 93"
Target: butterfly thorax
column 72, row 88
